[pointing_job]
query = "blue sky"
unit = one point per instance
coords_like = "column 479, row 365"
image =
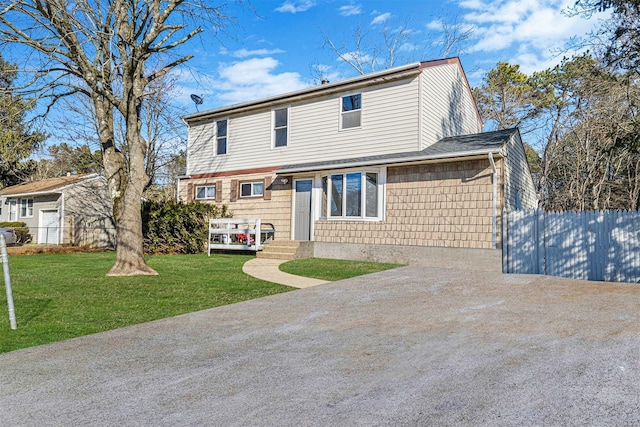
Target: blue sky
column 275, row 49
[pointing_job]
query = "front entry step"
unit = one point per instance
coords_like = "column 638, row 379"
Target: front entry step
column 280, row 249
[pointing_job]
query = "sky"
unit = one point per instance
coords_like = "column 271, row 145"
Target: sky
column 280, row 46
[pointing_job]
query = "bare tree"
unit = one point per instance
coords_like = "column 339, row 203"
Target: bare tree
column 365, row 55
column 111, row 52
column 369, row 51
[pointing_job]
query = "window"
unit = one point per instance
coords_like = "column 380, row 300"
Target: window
column 252, row 189
column 351, row 109
column 221, row 137
column 13, row 210
column 205, row 192
column 352, row 195
column 26, row 208
column 280, row 127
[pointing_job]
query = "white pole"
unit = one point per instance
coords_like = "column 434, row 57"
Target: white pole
column 7, row 281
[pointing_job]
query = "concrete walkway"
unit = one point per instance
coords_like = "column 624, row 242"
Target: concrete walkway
column 267, row 269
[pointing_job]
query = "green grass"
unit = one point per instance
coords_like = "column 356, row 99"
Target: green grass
column 62, row 296
column 333, row 269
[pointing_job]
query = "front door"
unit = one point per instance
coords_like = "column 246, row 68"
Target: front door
column 49, row 227
column 302, row 210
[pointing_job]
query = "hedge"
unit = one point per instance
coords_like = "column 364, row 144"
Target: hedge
column 20, row 228
column 171, row 227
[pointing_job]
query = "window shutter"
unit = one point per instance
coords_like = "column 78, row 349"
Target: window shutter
column 218, row 191
column 267, row 188
column 234, row 190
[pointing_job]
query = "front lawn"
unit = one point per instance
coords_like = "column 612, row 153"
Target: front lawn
column 62, row 296
column 333, row 269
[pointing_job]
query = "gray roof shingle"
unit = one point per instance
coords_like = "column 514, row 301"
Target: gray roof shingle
column 453, row 146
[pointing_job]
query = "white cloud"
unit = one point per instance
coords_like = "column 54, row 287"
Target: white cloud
column 350, row 10
column 253, row 79
column 236, row 82
column 295, row 6
column 381, row 19
column 244, row 53
column 435, row 25
column 538, row 26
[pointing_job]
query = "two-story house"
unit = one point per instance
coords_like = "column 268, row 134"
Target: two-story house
column 389, row 166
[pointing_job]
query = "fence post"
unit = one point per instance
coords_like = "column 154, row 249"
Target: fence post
column 7, row 281
column 505, row 241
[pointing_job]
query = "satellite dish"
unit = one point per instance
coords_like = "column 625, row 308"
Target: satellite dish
column 197, row 100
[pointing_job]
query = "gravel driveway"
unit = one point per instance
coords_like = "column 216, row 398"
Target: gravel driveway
column 413, row 346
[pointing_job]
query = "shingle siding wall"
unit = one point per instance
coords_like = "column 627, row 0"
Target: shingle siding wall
column 518, row 177
column 439, row 205
column 277, row 210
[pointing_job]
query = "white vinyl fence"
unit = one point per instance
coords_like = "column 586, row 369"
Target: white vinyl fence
column 581, row 245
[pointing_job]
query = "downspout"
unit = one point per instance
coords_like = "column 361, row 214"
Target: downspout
column 495, row 202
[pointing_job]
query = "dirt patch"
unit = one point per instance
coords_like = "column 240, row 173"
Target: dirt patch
column 47, row 249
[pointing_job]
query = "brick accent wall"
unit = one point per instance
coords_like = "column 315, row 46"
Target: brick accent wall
column 274, row 207
column 438, row 205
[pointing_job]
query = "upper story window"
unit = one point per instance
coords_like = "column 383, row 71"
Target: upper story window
column 351, row 111
column 252, row 189
column 352, row 195
column 26, row 208
column 204, row 192
column 221, row 137
column 281, row 127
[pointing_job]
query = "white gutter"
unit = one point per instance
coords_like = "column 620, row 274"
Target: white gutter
column 495, row 202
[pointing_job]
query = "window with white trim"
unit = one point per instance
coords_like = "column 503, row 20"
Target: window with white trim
column 13, row 210
column 221, row 137
column 26, row 208
column 281, row 127
column 351, row 111
column 352, row 195
column 252, row 189
column 205, row 192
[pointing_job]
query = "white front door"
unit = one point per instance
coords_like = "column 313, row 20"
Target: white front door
column 302, row 209
column 49, row 227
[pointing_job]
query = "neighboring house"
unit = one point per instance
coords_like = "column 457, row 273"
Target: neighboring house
column 73, row 209
column 388, row 166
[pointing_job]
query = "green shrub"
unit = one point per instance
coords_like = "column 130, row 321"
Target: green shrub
column 171, row 227
column 20, row 228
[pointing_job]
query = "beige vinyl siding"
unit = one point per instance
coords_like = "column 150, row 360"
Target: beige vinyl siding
column 200, row 140
column 390, row 123
column 518, row 176
column 447, row 106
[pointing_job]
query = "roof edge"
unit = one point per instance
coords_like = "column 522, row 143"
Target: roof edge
column 391, row 160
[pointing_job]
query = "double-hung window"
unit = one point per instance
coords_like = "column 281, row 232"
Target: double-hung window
column 352, row 195
column 205, row 192
column 351, row 111
column 252, row 189
column 281, row 127
column 221, row 137
column 26, row 208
